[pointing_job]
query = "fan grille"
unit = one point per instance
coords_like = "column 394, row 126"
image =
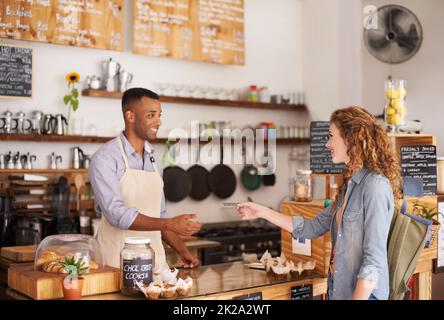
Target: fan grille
column 398, row 35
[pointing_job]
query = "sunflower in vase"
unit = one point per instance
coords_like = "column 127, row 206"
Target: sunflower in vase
column 72, row 98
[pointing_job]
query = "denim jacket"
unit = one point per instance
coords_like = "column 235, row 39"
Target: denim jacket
column 361, row 238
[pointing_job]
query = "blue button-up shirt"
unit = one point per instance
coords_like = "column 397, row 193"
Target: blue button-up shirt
column 361, row 238
column 107, row 168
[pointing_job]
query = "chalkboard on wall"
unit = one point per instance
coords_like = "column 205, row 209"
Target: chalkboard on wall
column 15, row 71
column 320, row 157
column 419, row 162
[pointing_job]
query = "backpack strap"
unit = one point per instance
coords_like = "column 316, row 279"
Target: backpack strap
column 403, row 206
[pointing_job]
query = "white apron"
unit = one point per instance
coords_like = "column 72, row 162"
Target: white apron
column 142, row 190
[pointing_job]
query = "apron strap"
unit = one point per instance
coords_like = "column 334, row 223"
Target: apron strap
column 153, row 162
column 119, row 142
column 125, row 159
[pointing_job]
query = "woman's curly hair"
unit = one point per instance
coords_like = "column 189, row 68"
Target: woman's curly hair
column 368, row 145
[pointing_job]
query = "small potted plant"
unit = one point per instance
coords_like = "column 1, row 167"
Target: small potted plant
column 72, row 284
column 423, row 211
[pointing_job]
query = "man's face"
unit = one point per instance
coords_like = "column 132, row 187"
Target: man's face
column 145, row 118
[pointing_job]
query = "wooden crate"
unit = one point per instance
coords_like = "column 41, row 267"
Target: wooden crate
column 320, row 247
column 41, row 285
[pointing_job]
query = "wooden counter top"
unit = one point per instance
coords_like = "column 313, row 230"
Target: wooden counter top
column 225, row 281
column 196, row 244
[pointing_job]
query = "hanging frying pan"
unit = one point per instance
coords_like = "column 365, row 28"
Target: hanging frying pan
column 250, row 177
column 177, row 182
column 200, row 188
column 222, row 179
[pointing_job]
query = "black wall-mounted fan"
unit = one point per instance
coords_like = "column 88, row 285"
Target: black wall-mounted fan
column 397, row 37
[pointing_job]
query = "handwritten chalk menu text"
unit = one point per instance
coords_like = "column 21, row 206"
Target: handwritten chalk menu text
column 320, row 157
column 15, row 71
column 82, row 23
column 420, row 162
column 200, row 30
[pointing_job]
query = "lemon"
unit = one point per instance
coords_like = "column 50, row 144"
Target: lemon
column 394, row 119
column 397, row 104
column 390, row 110
column 391, row 93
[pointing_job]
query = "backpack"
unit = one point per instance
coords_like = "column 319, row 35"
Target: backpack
column 406, row 239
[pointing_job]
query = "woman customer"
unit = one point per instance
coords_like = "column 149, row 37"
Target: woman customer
column 360, row 216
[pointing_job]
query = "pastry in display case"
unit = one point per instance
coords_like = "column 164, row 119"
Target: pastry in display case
column 53, row 250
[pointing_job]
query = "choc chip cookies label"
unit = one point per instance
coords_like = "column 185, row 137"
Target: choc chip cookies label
column 139, row 270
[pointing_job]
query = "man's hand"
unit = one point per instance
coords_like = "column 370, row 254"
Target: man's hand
column 188, row 260
column 183, row 225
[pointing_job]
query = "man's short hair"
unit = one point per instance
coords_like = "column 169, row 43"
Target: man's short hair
column 133, row 95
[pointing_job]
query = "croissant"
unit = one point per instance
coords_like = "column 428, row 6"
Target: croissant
column 53, row 266
column 47, row 256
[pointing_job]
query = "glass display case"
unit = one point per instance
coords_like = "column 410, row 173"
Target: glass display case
column 54, row 249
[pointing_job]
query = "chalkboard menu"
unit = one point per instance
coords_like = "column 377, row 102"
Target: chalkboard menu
column 201, row 30
column 419, row 162
column 250, row 296
column 304, row 292
column 94, row 24
column 15, row 71
column 320, row 156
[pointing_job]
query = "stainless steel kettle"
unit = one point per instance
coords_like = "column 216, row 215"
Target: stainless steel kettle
column 7, row 120
column 36, row 119
column 78, row 157
column 60, row 124
column 49, row 122
column 21, row 123
column 110, row 68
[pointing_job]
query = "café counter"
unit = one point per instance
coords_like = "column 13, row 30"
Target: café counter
column 232, row 280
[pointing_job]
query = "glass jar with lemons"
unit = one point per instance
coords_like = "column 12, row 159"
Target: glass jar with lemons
column 395, row 109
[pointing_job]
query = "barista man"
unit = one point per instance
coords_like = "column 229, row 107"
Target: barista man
column 126, row 176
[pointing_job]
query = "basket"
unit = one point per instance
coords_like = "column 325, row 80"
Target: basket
column 432, row 233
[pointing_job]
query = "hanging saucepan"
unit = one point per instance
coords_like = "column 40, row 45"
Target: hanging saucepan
column 177, row 182
column 200, row 187
column 222, row 179
column 250, row 177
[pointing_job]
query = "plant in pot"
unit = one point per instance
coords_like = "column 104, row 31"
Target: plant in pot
column 423, row 211
column 72, row 284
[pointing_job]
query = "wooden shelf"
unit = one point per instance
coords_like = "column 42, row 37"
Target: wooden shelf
column 206, row 102
column 32, row 171
column 93, row 139
column 53, row 138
